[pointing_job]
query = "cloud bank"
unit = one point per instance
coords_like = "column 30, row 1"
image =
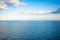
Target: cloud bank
column 34, row 12
column 29, row 15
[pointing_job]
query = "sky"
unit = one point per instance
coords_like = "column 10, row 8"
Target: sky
column 17, row 7
column 45, row 5
column 36, row 5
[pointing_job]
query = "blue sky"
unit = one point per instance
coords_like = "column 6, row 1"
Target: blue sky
column 37, row 5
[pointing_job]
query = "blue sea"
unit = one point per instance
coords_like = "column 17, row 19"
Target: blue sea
column 30, row 30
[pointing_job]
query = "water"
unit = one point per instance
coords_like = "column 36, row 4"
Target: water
column 29, row 30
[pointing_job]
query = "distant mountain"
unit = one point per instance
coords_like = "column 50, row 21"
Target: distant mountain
column 57, row 11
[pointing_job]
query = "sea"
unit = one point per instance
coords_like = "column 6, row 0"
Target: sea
column 30, row 30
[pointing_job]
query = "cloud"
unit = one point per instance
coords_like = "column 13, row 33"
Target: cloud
column 15, row 3
column 3, row 5
column 34, row 12
column 57, row 11
column 27, row 15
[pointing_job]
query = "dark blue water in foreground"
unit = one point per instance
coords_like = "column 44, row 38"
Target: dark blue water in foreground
column 29, row 30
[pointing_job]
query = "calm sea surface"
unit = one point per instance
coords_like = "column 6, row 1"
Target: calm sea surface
column 29, row 30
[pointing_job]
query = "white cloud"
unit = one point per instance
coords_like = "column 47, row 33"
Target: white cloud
column 30, row 17
column 3, row 5
column 15, row 3
column 34, row 12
